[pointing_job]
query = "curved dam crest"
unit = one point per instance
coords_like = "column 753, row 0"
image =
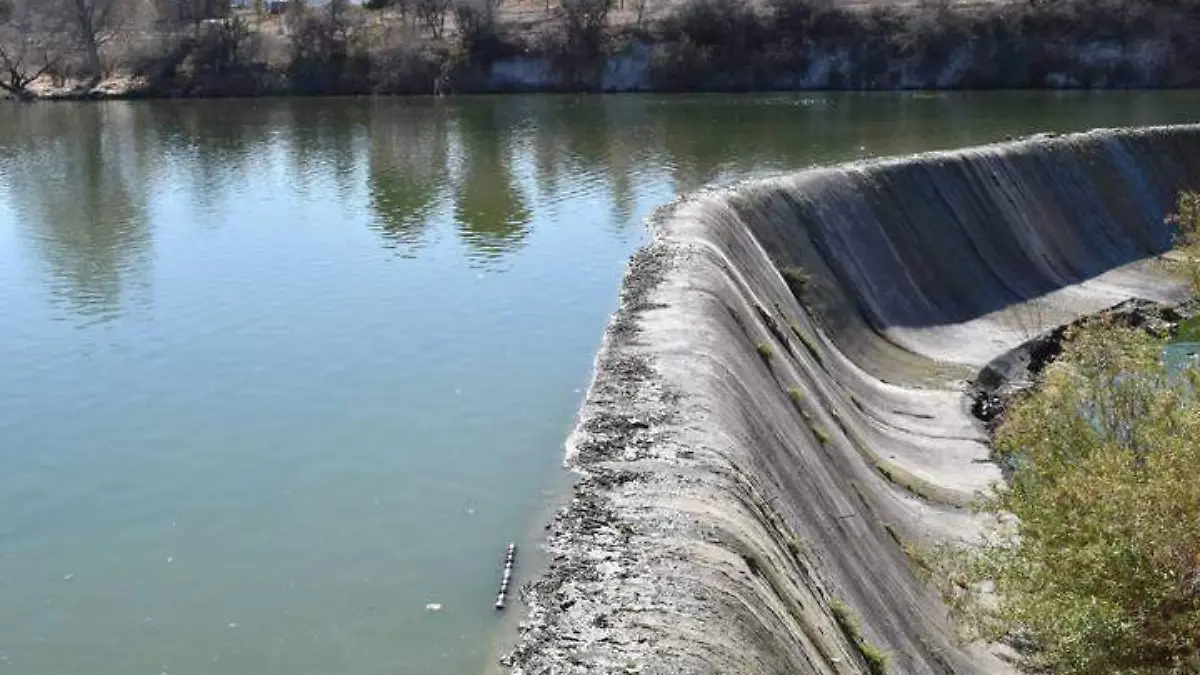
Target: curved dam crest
column 750, row 456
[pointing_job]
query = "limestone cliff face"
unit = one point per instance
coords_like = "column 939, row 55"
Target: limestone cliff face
column 749, row 455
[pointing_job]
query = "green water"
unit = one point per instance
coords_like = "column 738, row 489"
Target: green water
column 1182, row 349
column 274, row 375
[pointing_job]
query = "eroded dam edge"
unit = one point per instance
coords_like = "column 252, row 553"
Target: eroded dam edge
column 755, row 451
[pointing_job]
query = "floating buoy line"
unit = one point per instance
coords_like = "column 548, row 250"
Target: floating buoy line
column 510, row 558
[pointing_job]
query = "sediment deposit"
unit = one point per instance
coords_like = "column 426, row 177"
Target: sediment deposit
column 756, row 449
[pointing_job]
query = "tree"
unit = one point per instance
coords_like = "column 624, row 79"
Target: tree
column 31, row 44
column 1186, row 221
column 93, row 24
column 586, row 21
column 1099, row 571
column 431, row 15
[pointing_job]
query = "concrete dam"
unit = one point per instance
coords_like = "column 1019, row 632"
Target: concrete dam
column 781, row 401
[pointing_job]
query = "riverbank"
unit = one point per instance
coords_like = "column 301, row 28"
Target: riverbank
column 697, row 45
column 757, row 456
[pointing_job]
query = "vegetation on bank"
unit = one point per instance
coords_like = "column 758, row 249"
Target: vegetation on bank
column 1095, row 568
column 430, row 46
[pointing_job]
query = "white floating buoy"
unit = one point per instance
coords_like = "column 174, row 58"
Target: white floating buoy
column 433, row 607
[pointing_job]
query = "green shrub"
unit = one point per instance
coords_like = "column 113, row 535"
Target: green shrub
column 1186, row 220
column 797, row 279
column 765, row 351
column 820, row 433
column 1101, row 572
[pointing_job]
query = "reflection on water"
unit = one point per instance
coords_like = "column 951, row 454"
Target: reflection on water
column 408, row 170
column 277, row 374
column 81, row 175
column 489, row 209
column 79, row 183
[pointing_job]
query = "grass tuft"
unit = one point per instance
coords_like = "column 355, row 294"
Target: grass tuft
column 797, row 280
column 820, row 432
column 876, row 658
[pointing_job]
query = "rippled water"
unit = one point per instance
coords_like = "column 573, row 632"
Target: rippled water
column 274, row 375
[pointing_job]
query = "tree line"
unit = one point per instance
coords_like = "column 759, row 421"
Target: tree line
column 203, row 48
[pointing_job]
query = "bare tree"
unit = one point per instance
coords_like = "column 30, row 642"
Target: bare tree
column 295, row 17
column 31, row 44
column 586, row 22
column 431, row 15
column 94, row 23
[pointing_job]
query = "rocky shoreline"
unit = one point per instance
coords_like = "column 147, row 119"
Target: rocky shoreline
column 588, row 542
column 1019, row 370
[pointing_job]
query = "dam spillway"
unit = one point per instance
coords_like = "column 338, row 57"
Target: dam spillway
column 751, row 456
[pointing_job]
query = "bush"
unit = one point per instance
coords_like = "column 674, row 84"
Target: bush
column 409, row 67
column 477, row 31
column 797, row 280
column 585, row 23
column 1186, row 220
column 431, row 15
column 222, row 48
column 1101, row 570
column 727, row 24
column 325, row 57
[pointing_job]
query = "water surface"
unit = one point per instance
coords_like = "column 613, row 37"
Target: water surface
column 276, row 374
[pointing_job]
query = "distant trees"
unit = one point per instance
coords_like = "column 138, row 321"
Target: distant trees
column 443, row 42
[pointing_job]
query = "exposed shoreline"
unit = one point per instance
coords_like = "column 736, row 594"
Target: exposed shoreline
column 705, row 533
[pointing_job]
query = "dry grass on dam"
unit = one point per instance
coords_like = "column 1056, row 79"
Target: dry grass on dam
column 759, row 447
